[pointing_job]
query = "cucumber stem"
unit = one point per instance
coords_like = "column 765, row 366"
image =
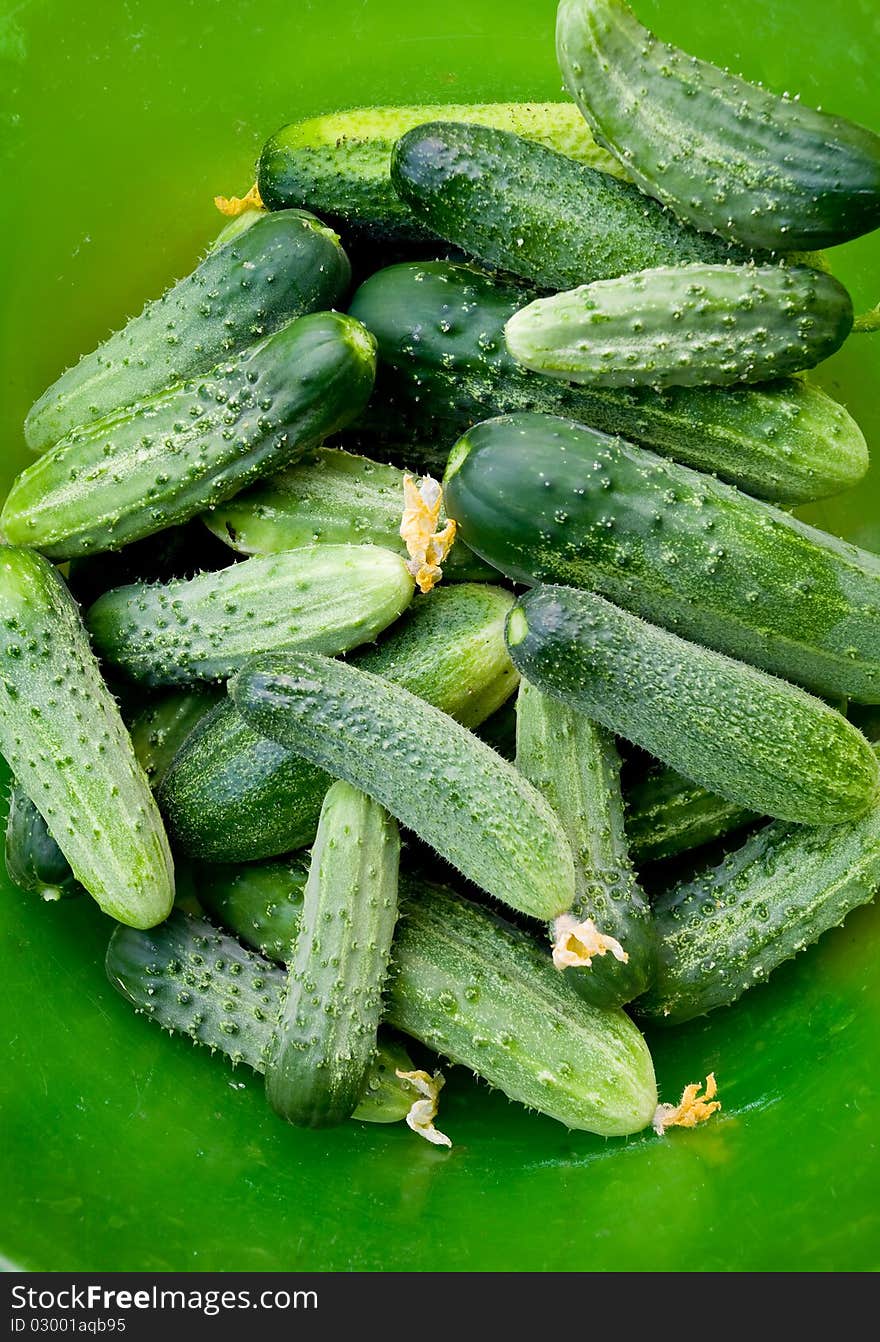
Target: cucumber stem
column 867, row 322
column 517, row 627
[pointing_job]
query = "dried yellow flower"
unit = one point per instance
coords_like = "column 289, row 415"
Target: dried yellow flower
column 232, row 206
column 424, row 1110
column 693, row 1108
column 576, row 944
column 427, row 547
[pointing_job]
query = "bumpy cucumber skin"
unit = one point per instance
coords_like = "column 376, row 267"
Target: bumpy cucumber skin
column 685, row 326
column 325, row 1035
column 526, row 209
column 34, row 862
column 667, row 815
column 725, row 155
column 61, row 733
column 730, row 926
column 574, row 764
column 161, row 726
column 546, row 500
column 444, row 365
column 332, row 497
column 486, row 995
column 233, row 795
column 261, row 902
column 319, row 598
column 166, row 459
column 178, row 552
column 196, row 981
column 434, row 775
column 751, row 738
column 283, row 267
column 339, row 165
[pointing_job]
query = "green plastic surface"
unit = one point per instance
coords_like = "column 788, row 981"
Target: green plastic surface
column 124, row 1149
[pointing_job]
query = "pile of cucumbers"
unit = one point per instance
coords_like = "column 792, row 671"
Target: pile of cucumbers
column 236, row 724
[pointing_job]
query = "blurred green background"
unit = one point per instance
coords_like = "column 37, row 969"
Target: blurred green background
column 124, row 1149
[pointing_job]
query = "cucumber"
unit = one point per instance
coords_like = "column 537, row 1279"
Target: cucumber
column 261, row 902
column 179, row 552
column 330, row 498
column 64, row 740
column 574, row 764
column 686, row 326
column 484, row 994
column 668, row 815
column 339, row 164
column 751, row 738
column 725, row 155
column 444, row 365
column 34, row 862
column 524, row 208
column 547, row 500
column 321, row 598
column 325, row 1035
column 166, row 459
column 731, row 925
column 161, row 726
column 434, row 775
column 284, row 266
column 234, row 795
column 193, row 980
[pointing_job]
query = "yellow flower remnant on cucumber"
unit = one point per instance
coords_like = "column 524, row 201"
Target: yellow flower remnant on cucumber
column 427, row 547
column 424, row 1109
column 233, row 206
column 577, row 943
column 692, row 1108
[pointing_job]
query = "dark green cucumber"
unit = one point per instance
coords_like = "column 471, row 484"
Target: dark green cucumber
column 524, row 208
column 234, row 795
column 325, row 1035
column 434, row 775
column 320, row 598
column 726, row 155
column 753, row 739
column 196, row 981
column 261, row 902
column 668, row 814
column 547, row 500
column 62, row 735
column 161, row 726
column 34, row 862
column 444, row 365
column 574, row 764
column 731, row 925
column 686, row 326
column 166, row 459
column 339, row 164
column 330, row 498
column 284, row 266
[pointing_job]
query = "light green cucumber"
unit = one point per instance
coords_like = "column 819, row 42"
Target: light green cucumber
column 332, row 497
column 686, row 326
column 339, row 164
column 166, row 459
column 196, row 981
column 574, row 763
column 325, row 1035
column 667, row 814
column 751, row 738
column 436, row 777
column 62, row 735
column 261, row 902
column 321, row 598
column 234, row 795
column 284, row 266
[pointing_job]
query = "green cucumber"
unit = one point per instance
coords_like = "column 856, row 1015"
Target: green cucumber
column 234, row 795
column 731, row 925
column 685, row 326
column 261, row 902
column 320, row 598
column 161, row 726
column 196, row 981
column 522, row 207
column 444, row 365
column 284, row 266
column 176, row 553
column 574, row 764
column 34, row 862
column 667, row 815
column 325, row 1035
column 434, row 775
column 547, row 500
column 330, row 498
column 166, row 459
column 725, row 155
column 62, row 735
column 753, row 739
column 339, row 164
